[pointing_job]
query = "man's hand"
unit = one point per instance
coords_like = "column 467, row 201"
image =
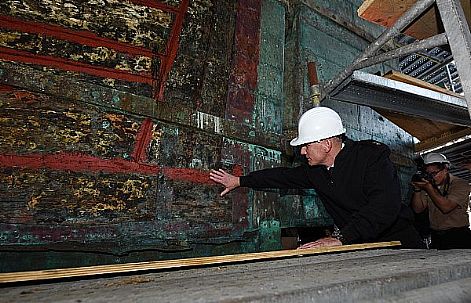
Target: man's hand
column 224, row 178
column 323, row 242
column 424, row 185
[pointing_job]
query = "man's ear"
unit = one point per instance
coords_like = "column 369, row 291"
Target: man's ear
column 327, row 145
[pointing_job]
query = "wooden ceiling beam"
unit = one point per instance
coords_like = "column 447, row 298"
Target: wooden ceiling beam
column 442, row 139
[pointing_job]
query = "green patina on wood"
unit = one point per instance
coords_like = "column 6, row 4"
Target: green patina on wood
column 78, row 91
column 55, row 198
column 228, row 102
column 57, row 109
column 41, row 123
column 46, row 196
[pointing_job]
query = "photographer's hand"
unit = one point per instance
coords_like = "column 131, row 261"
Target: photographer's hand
column 417, row 203
column 423, row 185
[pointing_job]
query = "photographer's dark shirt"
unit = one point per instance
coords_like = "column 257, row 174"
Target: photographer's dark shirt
column 361, row 191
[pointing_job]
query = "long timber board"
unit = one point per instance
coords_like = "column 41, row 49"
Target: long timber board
column 90, row 271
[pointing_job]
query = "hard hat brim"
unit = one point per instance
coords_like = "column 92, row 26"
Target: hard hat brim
column 298, row 141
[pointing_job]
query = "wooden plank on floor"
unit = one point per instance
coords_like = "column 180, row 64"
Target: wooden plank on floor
column 89, row 271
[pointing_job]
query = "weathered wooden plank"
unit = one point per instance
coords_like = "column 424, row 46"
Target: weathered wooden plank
column 25, row 116
column 124, row 21
column 51, row 197
column 58, row 210
column 78, row 91
column 89, row 38
column 94, row 167
column 179, row 263
column 243, row 78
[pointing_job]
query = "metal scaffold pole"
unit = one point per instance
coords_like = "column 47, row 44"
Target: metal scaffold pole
column 459, row 39
column 415, row 11
column 431, row 42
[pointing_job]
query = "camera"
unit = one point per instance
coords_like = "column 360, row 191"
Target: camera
column 420, row 176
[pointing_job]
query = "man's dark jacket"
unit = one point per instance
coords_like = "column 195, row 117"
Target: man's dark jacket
column 361, row 192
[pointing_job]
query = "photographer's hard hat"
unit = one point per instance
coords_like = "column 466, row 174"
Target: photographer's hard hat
column 435, row 158
column 316, row 124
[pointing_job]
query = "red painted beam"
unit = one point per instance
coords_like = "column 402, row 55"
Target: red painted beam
column 187, row 174
column 7, row 88
column 143, row 138
column 171, row 51
column 22, row 56
column 76, row 162
column 90, row 39
column 81, row 37
column 244, row 75
column 237, row 170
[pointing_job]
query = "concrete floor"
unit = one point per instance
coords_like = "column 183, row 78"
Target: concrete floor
column 385, row 275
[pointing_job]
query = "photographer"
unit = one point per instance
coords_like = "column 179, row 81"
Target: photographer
column 447, row 198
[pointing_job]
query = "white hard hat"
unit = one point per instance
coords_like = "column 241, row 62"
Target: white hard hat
column 435, row 158
column 316, row 124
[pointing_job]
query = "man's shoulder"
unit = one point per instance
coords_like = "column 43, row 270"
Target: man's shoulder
column 369, row 150
column 458, row 180
column 371, row 145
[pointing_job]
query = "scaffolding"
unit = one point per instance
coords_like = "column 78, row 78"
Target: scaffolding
column 352, row 85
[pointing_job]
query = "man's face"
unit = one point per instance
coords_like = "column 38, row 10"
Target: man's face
column 438, row 173
column 315, row 152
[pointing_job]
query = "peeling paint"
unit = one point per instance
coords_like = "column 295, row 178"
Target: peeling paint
column 206, row 121
column 105, row 19
column 34, row 201
column 93, row 167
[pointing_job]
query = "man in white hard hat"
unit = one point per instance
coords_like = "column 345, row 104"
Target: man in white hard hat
column 447, row 199
column 355, row 180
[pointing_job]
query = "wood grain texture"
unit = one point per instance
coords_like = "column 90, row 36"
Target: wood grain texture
column 386, row 13
column 431, row 133
column 395, row 75
column 51, row 274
